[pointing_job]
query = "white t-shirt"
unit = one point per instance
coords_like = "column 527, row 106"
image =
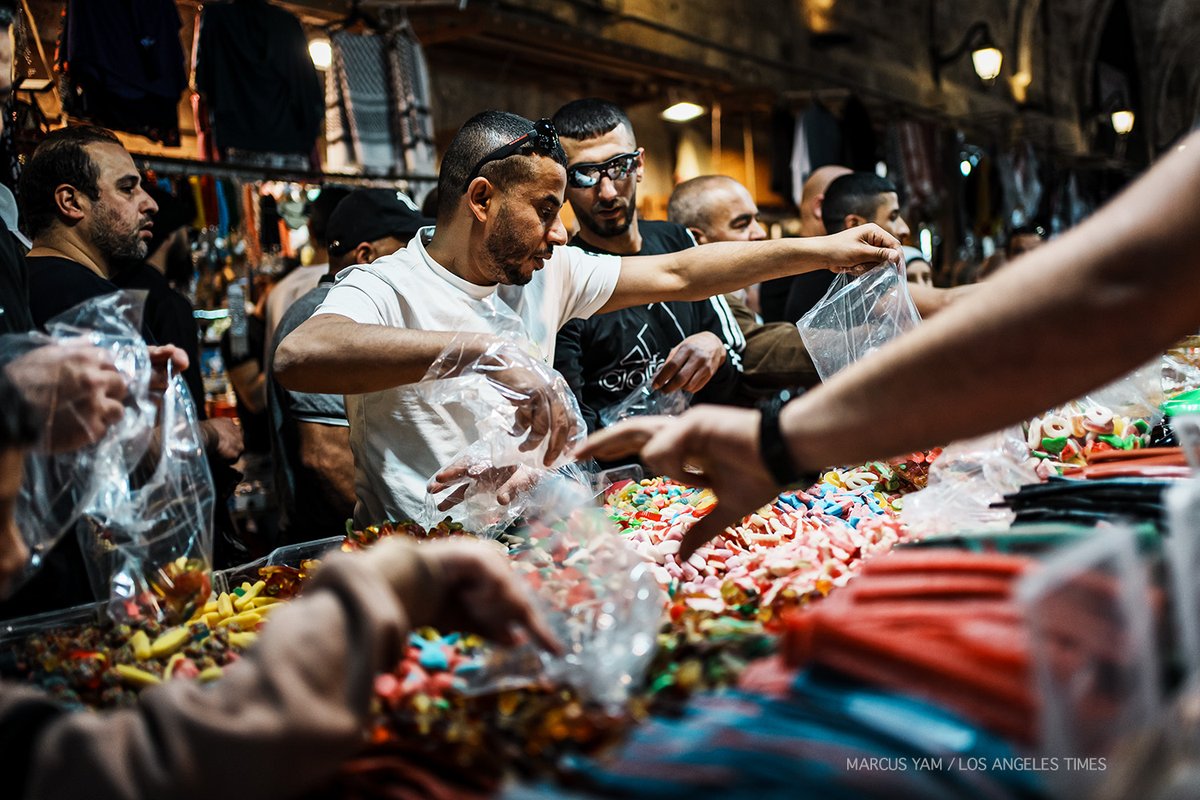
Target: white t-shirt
column 399, row 441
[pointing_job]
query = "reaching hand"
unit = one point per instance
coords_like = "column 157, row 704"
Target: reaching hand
column 472, row 588
column 503, row 482
column 691, row 364
column 700, row 447
column 856, row 250
column 222, row 438
column 160, row 357
column 76, row 389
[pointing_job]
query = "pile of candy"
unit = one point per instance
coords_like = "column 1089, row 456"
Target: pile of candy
column 1073, row 434
column 805, row 543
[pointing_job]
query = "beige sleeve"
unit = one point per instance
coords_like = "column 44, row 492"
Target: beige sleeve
column 281, row 719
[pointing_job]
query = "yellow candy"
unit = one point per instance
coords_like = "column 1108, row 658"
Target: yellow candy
column 225, row 605
column 169, row 642
column 242, row 639
column 210, row 674
column 243, row 602
column 140, row 643
column 136, row 677
column 246, row 619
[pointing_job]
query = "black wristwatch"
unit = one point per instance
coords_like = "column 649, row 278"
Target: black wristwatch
column 773, row 446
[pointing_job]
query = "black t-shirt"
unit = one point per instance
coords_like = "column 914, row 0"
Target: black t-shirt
column 170, row 319
column 806, row 291
column 14, row 286
column 255, row 425
column 606, row 357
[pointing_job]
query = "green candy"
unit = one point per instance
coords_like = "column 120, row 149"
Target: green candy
column 1054, row 444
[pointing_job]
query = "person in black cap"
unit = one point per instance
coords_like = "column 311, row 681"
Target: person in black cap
column 310, row 435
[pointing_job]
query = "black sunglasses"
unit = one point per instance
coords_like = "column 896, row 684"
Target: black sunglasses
column 541, row 139
column 585, row 176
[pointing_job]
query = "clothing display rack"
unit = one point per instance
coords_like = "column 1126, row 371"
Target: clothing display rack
column 168, row 165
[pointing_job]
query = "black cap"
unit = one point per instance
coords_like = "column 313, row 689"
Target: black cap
column 369, row 214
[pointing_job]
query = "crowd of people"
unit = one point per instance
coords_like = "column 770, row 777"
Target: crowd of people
column 703, row 303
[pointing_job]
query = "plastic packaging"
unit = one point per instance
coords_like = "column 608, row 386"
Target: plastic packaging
column 500, row 397
column 645, row 400
column 63, row 477
column 964, row 482
column 1095, row 667
column 856, row 317
column 596, row 593
column 148, row 541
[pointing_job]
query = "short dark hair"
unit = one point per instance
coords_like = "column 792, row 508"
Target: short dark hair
column 18, row 423
column 857, row 193
column 61, row 158
column 589, row 118
column 479, row 136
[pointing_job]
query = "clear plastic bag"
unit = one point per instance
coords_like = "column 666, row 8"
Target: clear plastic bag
column 645, row 400
column 856, row 317
column 1117, row 416
column 508, row 394
column 965, row 480
column 64, row 473
column 148, row 539
column 596, row 593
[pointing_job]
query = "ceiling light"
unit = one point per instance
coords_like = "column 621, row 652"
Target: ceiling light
column 682, row 112
column 1122, row 121
column 320, row 53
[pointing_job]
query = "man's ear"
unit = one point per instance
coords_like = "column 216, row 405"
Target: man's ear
column 820, row 199
column 480, row 195
column 364, row 253
column 698, row 235
column 854, row 220
column 70, row 202
column 641, row 163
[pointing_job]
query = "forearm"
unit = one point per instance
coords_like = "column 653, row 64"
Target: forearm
column 1066, row 318
column 716, row 268
column 334, row 354
column 294, row 708
column 325, row 452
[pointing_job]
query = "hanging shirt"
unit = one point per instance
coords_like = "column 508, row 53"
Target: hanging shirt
column 123, row 65
column 253, row 68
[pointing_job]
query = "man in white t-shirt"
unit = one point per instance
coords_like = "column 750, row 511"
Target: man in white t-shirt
column 497, row 264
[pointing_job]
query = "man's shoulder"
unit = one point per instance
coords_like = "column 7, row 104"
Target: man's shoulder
column 660, row 236
column 300, row 310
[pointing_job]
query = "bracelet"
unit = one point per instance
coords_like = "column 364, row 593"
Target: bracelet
column 772, row 444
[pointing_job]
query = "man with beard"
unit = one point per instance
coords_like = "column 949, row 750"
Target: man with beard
column 494, row 266
column 690, row 346
column 87, row 212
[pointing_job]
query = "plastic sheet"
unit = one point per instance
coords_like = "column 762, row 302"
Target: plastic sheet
column 964, row 482
column 856, row 317
column 519, row 408
column 643, row 401
column 596, row 593
column 63, row 473
column 1095, row 667
column 148, row 541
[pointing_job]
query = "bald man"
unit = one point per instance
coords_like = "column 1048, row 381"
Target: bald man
column 716, row 208
column 774, row 294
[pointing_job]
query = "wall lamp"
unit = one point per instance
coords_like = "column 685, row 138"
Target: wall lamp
column 1119, row 113
column 986, row 57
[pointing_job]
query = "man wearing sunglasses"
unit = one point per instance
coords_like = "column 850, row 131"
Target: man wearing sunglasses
column 674, row 345
column 496, row 264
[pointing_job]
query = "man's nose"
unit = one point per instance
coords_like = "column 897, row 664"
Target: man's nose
column 557, row 235
column 757, row 232
column 902, row 230
column 607, row 189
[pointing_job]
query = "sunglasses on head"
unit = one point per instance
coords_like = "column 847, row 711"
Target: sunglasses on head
column 541, row 139
column 585, row 176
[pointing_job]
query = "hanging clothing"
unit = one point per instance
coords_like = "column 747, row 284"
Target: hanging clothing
column 411, row 105
column 253, row 68
column 121, row 65
column 801, row 164
column 361, row 119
